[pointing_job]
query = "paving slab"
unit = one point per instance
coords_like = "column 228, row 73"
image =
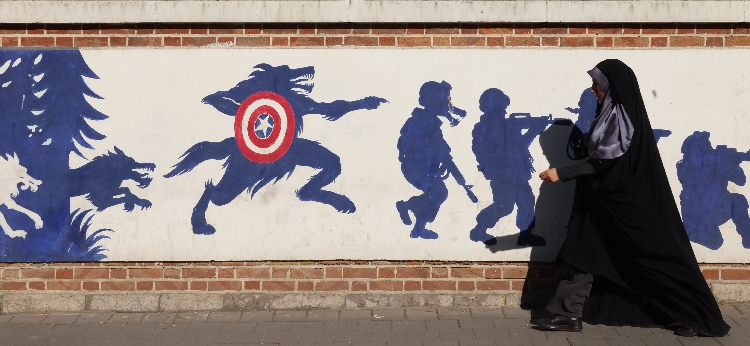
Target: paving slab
column 490, row 342
column 456, row 334
column 421, row 314
column 517, row 313
column 159, row 317
column 59, row 319
column 5, row 318
column 734, row 340
column 698, row 341
column 128, row 318
column 281, row 337
column 355, row 315
column 408, row 326
column 470, row 323
column 192, row 317
column 442, row 325
column 322, row 315
column 633, row 332
column 743, row 308
column 223, row 317
column 491, row 334
column 624, row 341
column 374, row 326
column 661, row 342
column 290, row 315
column 487, row 313
column 598, row 330
column 387, row 336
column 388, row 314
column 594, row 341
column 257, row 316
column 729, row 310
column 89, row 318
column 453, row 313
column 340, row 325
column 26, row 319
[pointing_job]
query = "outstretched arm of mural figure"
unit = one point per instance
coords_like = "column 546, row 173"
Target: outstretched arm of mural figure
column 337, row 109
column 453, row 170
column 10, row 204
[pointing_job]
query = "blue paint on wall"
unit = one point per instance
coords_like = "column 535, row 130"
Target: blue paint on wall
column 43, row 119
column 706, row 202
column 501, row 146
column 241, row 174
column 425, row 157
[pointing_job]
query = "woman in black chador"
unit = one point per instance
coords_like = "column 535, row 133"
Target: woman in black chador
column 627, row 254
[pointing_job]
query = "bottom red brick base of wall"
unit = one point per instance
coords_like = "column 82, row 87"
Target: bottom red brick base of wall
column 184, row 286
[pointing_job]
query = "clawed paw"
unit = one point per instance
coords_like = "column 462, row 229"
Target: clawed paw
column 16, row 234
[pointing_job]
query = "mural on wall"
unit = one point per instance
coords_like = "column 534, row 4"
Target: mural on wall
column 706, row 202
column 269, row 107
column 407, row 175
column 426, row 160
column 44, row 118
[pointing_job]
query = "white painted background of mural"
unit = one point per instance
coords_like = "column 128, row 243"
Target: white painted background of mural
column 153, row 98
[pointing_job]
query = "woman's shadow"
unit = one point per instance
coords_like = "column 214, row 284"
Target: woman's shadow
column 553, row 205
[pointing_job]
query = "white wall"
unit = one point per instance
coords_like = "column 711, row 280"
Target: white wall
column 153, row 98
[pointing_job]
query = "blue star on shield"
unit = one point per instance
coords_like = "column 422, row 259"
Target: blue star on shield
column 264, row 126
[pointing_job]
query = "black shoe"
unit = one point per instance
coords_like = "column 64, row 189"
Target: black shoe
column 560, row 322
column 685, row 332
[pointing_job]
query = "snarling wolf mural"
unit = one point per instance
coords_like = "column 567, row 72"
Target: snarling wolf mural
column 12, row 174
column 100, row 181
column 269, row 108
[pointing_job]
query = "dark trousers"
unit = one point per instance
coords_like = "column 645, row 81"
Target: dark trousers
column 571, row 295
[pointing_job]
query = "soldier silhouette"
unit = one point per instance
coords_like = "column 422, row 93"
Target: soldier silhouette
column 502, row 150
column 705, row 200
column 425, row 157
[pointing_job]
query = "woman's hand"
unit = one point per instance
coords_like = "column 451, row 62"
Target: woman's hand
column 549, row 176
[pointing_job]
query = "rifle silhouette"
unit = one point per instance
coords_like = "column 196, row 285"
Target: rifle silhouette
column 527, row 121
column 453, row 170
column 731, row 155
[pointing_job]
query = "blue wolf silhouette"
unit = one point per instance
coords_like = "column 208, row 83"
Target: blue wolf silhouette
column 241, row 174
column 101, row 178
column 502, row 151
column 705, row 200
column 425, row 157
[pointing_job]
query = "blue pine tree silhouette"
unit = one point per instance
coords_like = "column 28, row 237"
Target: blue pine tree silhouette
column 44, row 117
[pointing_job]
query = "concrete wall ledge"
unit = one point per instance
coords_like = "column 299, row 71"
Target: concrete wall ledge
column 725, row 293
column 374, row 11
column 181, row 302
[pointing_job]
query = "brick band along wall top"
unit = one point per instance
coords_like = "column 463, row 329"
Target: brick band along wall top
column 377, row 35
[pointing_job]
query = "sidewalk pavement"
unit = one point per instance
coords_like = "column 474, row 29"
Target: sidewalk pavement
column 427, row 327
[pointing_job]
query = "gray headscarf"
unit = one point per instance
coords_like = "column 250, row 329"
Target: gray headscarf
column 611, row 130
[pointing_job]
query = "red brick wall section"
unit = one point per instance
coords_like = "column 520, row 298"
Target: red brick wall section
column 563, row 35
column 320, row 276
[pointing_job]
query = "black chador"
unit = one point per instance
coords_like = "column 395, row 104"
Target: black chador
column 627, row 249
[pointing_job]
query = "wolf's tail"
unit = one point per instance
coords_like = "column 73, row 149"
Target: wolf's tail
column 203, row 151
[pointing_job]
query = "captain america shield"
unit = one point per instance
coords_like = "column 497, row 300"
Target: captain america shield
column 264, row 127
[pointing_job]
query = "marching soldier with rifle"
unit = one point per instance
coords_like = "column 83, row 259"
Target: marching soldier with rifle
column 501, row 146
column 705, row 199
